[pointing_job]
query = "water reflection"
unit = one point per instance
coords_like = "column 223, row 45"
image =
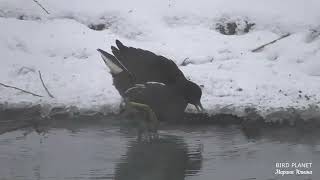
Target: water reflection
column 166, row 157
column 98, row 150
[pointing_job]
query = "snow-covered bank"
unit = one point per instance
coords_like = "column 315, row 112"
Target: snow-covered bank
column 62, row 45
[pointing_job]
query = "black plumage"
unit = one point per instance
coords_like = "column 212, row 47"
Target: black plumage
column 163, row 99
column 144, row 77
column 147, row 66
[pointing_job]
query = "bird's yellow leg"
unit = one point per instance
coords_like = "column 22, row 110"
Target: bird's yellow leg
column 152, row 120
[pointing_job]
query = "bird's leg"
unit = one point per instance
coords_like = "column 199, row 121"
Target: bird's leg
column 122, row 106
column 151, row 123
column 126, row 109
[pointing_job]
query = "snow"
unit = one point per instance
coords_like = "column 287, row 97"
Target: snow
column 60, row 45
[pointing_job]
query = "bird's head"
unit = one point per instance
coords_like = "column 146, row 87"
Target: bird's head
column 193, row 95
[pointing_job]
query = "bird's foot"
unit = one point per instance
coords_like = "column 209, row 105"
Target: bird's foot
column 150, row 124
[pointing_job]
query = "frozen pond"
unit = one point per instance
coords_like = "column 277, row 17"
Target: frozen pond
column 77, row 150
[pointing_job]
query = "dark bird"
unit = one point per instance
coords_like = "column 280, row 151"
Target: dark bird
column 151, row 97
column 165, row 158
column 147, row 66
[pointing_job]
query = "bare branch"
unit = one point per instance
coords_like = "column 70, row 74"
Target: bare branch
column 45, row 87
column 261, row 47
column 22, row 90
column 185, row 62
column 41, row 6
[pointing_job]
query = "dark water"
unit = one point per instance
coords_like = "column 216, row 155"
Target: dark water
column 102, row 151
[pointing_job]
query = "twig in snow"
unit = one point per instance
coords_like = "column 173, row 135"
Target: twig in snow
column 45, row 87
column 261, row 47
column 185, row 62
column 22, row 90
column 226, row 106
column 41, row 6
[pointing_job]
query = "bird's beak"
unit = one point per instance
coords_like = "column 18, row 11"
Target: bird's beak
column 199, row 107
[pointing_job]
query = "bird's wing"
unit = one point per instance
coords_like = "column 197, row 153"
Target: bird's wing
column 113, row 63
column 146, row 65
column 124, row 54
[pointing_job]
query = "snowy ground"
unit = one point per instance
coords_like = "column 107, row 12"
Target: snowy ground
column 63, row 47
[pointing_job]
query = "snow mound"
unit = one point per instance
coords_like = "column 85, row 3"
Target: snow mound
column 62, row 45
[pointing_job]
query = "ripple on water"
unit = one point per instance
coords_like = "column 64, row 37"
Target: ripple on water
column 181, row 152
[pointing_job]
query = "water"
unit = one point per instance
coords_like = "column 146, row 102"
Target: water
column 103, row 151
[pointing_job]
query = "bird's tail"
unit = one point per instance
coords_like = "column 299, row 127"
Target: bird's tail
column 113, row 63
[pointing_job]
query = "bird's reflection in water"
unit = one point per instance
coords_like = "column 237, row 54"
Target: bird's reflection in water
column 164, row 158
